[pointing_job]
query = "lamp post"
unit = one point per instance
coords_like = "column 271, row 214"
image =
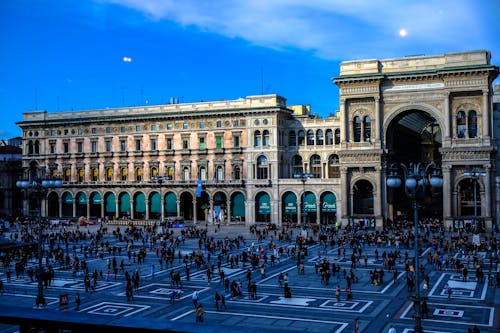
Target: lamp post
column 475, row 174
column 417, row 178
column 38, row 187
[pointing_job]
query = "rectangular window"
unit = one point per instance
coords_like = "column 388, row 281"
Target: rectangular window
column 169, row 126
column 185, row 126
column 138, row 144
column 185, row 143
column 79, row 147
column 94, row 146
column 52, row 132
column 52, row 148
column 108, row 130
column 123, row 129
column 236, row 123
column 202, row 143
column 93, row 130
column 218, row 141
column 138, row 128
column 108, row 146
column 153, row 144
column 202, row 125
column 66, row 147
column 169, row 143
column 153, row 127
column 123, row 145
column 236, row 141
column 219, row 123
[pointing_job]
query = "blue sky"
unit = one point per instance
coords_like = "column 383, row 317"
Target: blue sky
column 63, row 55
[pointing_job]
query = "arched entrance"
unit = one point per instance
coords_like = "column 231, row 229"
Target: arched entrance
column 95, row 204
column 81, row 204
column 171, row 204
column 67, row 204
column 413, row 136
column 289, row 206
column 53, row 204
column 220, row 210
column 139, row 206
column 110, row 205
column 238, row 207
column 186, row 204
column 262, row 207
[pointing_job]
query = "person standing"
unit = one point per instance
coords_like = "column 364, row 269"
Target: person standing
column 199, row 313
column 77, row 301
column 356, row 325
column 217, row 300
column 391, row 329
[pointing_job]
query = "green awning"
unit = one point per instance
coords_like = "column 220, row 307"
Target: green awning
column 67, row 198
column 264, row 204
column 238, row 205
column 329, row 203
column 140, row 203
column 156, row 203
column 110, row 203
column 290, row 203
column 171, row 203
column 95, row 198
column 125, row 203
column 81, row 198
column 310, row 203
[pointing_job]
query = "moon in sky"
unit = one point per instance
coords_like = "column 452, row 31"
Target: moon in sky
column 403, row 32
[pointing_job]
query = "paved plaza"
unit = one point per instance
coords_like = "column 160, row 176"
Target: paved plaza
column 312, row 307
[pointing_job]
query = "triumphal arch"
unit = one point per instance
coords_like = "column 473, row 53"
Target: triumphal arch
column 419, row 109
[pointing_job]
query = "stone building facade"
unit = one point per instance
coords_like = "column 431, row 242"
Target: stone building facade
column 257, row 159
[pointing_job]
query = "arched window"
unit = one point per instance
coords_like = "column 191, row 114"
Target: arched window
column 170, row 172
column 266, row 141
column 219, row 174
column 363, row 198
column 472, row 124
column 37, row 147
column 257, row 139
column 367, row 128
column 337, row 136
column 109, row 174
column 185, row 174
column 30, row 148
column 81, row 175
column 123, row 173
column 154, row 172
column 292, row 139
column 302, row 137
column 67, row 174
column 236, row 173
column 262, row 167
column 95, row 174
column 297, row 165
column 310, row 137
column 461, row 124
column 138, row 174
column 315, row 163
column 203, row 173
column 320, row 139
column 329, row 137
column 333, row 166
column 356, row 129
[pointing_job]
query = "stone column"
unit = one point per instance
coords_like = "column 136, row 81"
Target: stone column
column 195, row 218
column 345, row 195
column 486, row 197
column 318, row 211
column 447, row 195
column 228, row 208
column 147, row 210
column 447, row 118
column 74, row 206
column 178, row 202
column 117, row 208
column 378, row 119
column 344, row 124
column 102, row 207
column 132, row 208
column 377, row 196
column 486, row 115
column 88, row 207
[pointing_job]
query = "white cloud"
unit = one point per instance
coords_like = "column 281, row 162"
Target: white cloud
column 333, row 29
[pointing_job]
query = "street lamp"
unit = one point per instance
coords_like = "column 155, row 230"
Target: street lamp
column 38, row 187
column 417, row 179
column 475, row 174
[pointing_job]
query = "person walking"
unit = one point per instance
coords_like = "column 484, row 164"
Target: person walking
column 199, row 313
column 217, row 300
column 391, row 329
column 77, row 301
column 195, row 299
